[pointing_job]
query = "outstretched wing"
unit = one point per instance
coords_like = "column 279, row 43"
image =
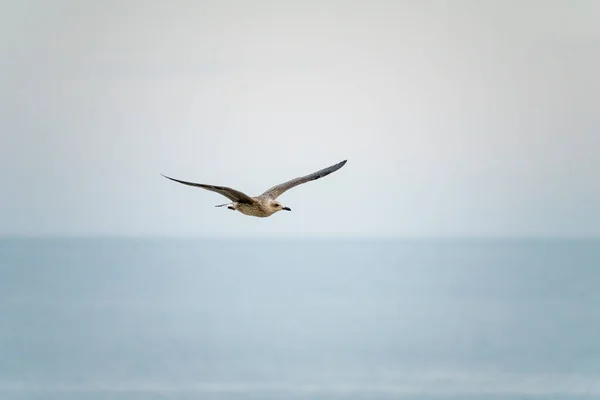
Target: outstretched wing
column 278, row 190
column 231, row 194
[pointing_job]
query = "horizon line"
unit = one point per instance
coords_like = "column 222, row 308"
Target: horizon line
column 304, row 237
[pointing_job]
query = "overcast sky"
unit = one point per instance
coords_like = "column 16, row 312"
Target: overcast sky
column 457, row 118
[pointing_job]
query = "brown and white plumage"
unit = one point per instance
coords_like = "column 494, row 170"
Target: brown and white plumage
column 231, row 194
column 266, row 204
column 278, row 190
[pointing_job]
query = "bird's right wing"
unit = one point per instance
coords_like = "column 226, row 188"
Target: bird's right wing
column 231, row 194
column 278, row 190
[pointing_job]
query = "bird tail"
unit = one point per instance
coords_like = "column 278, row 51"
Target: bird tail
column 223, row 205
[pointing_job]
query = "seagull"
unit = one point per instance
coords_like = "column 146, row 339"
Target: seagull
column 266, row 204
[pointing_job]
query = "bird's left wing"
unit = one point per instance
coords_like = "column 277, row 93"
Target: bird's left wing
column 231, row 194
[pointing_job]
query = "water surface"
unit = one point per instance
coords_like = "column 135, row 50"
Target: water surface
column 299, row 319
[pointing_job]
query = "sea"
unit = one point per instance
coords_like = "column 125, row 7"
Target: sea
column 305, row 318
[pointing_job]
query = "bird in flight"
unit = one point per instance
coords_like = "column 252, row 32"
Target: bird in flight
column 266, row 204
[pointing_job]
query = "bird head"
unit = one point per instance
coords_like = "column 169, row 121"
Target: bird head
column 277, row 206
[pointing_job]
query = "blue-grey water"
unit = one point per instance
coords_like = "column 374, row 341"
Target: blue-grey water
column 299, row 319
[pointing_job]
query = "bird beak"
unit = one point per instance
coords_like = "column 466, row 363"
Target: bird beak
column 286, row 209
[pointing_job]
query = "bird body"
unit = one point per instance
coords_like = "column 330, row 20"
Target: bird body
column 266, row 204
column 261, row 208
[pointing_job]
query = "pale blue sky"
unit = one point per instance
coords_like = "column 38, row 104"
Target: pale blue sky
column 477, row 118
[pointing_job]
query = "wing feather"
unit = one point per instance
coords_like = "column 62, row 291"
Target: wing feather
column 231, row 194
column 278, row 190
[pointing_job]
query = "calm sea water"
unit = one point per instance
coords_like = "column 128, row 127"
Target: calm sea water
column 299, row 319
